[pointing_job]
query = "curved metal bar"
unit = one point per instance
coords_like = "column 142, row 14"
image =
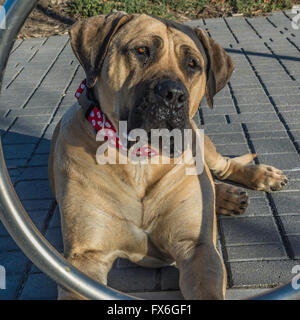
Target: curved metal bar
column 285, row 292
column 20, row 226
column 13, row 215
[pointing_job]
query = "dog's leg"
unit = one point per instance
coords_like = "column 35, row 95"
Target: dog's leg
column 186, row 231
column 230, row 200
column 259, row 177
column 93, row 238
column 93, row 263
column 202, row 274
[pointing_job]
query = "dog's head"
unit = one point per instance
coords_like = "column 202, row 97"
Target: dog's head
column 149, row 71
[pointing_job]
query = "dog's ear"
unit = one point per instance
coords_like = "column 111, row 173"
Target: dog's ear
column 90, row 39
column 219, row 65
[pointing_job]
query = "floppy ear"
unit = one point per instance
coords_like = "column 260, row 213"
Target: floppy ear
column 219, row 66
column 90, row 39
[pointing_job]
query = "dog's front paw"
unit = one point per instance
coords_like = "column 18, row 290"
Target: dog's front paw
column 230, row 200
column 266, row 178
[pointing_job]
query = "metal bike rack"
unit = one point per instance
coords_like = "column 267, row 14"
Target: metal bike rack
column 20, row 226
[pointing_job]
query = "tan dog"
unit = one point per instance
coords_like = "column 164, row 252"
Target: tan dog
column 154, row 215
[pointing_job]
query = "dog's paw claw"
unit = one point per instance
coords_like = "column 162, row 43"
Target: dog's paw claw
column 267, row 178
column 230, row 200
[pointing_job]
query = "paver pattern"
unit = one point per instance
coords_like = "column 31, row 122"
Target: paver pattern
column 258, row 111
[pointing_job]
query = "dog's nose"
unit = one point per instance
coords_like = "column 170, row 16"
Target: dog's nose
column 172, row 92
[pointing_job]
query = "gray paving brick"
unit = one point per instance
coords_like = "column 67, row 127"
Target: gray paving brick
column 14, row 172
column 261, row 273
column 284, row 161
column 282, row 145
column 287, row 202
column 7, row 243
column 169, row 278
column 292, row 175
column 280, row 84
column 267, row 134
column 257, row 117
column 223, row 93
column 3, row 231
column 28, row 111
column 125, row 263
column 229, row 138
column 296, row 134
column 39, row 218
column 251, row 99
column 293, row 185
column 253, row 108
column 291, row 224
column 286, row 99
column 37, row 204
column 55, row 220
column 39, row 160
column 250, row 230
column 222, row 128
column 14, row 262
column 248, row 91
column 12, row 285
column 43, row 147
column 17, row 138
column 18, row 151
column 34, row 190
column 294, row 126
column 287, row 91
column 28, row 128
column 223, row 101
column 291, row 117
column 295, row 243
column 233, row 150
column 238, row 82
column 53, row 235
column 34, row 173
column 264, row 126
column 27, row 120
column 273, row 77
column 39, row 287
column 257, row 207
column 214, row 119
column 5, row 123
column 15, row 163
column 256, row 252
column 132, row 279
column 218, row 110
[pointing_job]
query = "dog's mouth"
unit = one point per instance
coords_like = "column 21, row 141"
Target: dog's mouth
column 162, row 112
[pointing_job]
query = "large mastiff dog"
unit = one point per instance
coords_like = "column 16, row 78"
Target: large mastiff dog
column 152, row 73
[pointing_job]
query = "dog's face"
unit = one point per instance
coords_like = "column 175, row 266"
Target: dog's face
column 150, row 72
column 162, row 75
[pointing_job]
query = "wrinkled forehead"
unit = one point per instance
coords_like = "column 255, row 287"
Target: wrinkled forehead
column 143, row 26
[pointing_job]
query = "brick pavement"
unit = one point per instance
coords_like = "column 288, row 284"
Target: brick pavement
column 258, row 111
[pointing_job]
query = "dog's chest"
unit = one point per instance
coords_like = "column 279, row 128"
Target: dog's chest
column 142, row 177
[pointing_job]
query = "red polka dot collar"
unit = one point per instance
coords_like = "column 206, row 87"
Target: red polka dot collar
column 100, row 122
column 95, row 116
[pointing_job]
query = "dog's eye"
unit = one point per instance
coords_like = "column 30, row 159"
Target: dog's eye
column 142, row 54
column 193, row 64
column 143, row 51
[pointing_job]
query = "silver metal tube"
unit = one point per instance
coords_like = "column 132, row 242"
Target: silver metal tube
column 39, row 250
column 13, row 215
column 285, row 292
